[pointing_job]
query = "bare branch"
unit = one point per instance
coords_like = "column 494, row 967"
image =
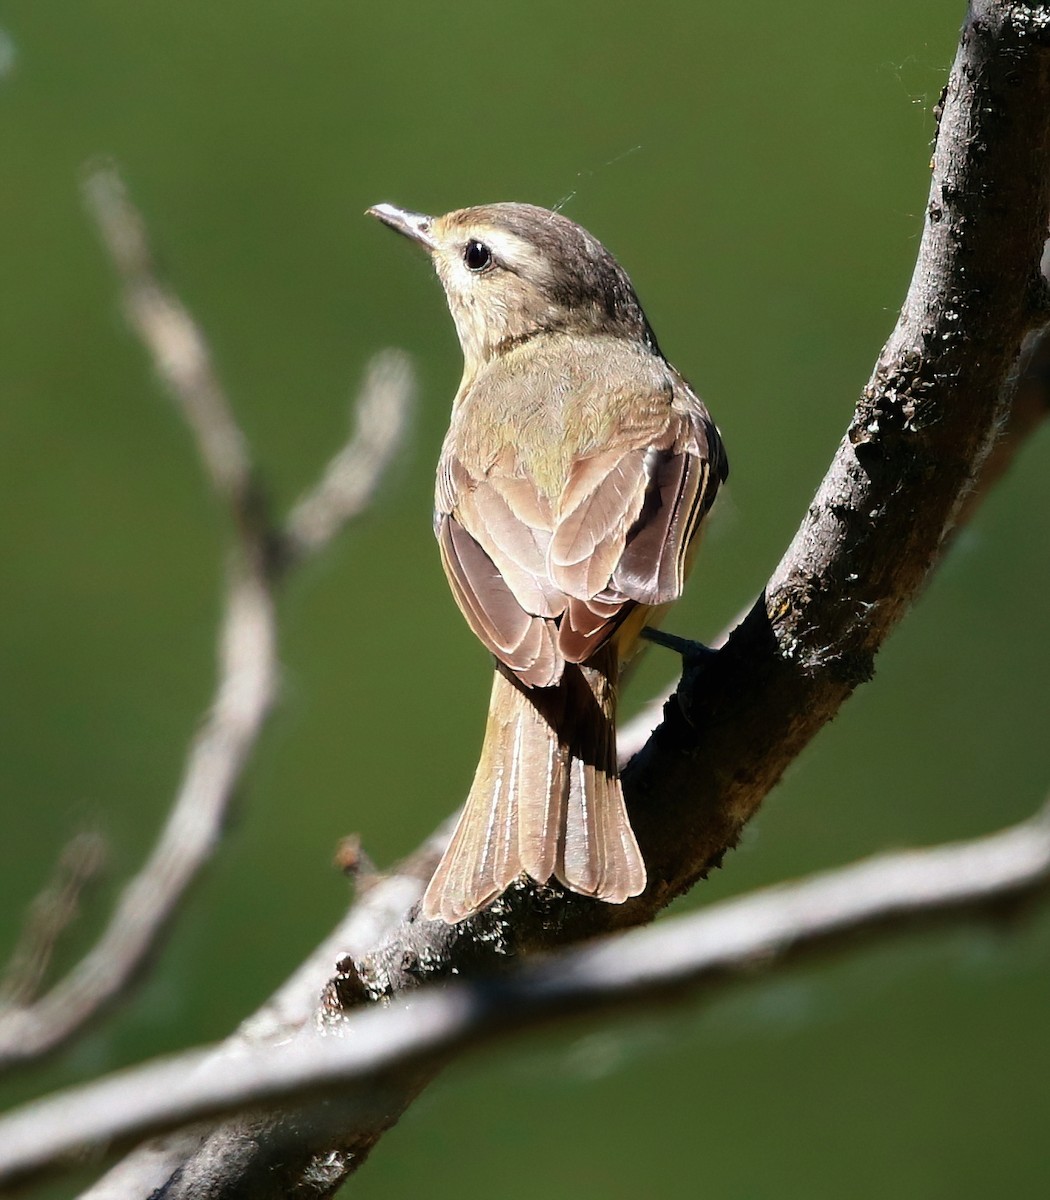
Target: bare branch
column 50, row 915
column 701, row 953
column 247, row 676
column 245, row 692
column 382, row 413
column 248, row 665
column 176, row 346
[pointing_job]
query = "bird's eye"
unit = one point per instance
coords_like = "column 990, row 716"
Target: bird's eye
column 477, row 256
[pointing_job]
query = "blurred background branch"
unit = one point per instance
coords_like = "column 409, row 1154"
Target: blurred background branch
column 50, row 916
column 681, row 958
column 248, row 671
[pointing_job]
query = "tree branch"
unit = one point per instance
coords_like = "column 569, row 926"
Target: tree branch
column 50, row 916
column 918, row 439
column 248, row 664
column 348, row 484
column 700, row 954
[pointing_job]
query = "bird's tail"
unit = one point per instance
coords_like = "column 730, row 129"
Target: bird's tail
column 546, row 798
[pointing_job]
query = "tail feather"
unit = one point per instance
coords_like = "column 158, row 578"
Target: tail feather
column 600, row 855
column 624, row 873
column 546, row 799
column 580, row 865
column 483, row 857
column 458, row 886
column 542, row 765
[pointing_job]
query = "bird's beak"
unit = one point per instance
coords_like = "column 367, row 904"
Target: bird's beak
column 413, row 225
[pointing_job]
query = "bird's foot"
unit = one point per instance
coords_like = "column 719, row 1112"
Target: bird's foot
column 696, row 659
column 693, row 653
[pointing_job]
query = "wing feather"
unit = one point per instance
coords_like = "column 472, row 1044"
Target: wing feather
column 518, row 549
column 546, row 567
column 521, row 640
column 602, row 500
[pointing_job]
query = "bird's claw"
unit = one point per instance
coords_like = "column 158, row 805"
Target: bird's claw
column 693, row 653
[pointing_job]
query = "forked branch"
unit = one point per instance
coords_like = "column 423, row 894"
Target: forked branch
column 247, row 660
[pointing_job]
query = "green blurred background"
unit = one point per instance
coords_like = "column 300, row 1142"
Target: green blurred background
column 760, row 170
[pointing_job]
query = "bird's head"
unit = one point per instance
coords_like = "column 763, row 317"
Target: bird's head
column 515, row 271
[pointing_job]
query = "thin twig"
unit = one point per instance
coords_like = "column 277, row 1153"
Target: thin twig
column 50, row 915
column 248, row 665
column 748, row 937
column 381, row 416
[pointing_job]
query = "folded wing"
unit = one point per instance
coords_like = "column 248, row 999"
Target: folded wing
column 545, row 576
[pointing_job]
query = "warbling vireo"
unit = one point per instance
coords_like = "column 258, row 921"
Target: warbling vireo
column 575, row 474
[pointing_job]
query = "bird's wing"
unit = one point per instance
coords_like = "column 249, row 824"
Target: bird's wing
column 627, row 519
column 543, row 581
column 683, row 476
column 525, row 642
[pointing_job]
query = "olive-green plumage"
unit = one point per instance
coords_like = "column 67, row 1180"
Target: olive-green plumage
column 574, row 476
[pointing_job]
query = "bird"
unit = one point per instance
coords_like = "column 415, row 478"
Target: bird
column 578, row 467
